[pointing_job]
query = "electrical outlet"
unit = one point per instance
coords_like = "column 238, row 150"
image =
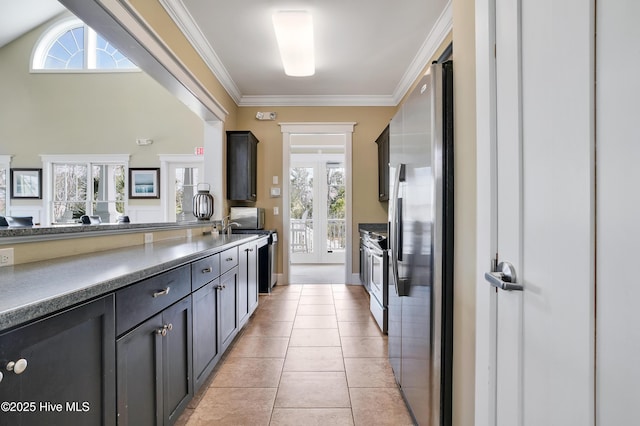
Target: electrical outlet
column 189, row 233
column 6, row 257
column 276, row 211
column 148, row 238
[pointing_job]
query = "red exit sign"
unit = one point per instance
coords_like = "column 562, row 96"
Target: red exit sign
column 199, row 150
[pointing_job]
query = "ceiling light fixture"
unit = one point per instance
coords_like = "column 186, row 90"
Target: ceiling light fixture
column 294, row 33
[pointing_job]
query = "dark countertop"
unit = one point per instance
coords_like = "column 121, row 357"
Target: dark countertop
column 32, row 290
column 372, row 227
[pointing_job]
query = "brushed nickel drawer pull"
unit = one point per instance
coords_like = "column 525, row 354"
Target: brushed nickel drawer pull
column 206, row 270
column 162, row 292
column 229, row 259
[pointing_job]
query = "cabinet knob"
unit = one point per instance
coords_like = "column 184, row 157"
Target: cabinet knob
column 162, row 292
column 18, row 366
column 165, row 328
column 229, row 259
column 206, row 270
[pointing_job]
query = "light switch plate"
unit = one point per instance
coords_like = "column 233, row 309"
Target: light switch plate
column 276, row 211
column 275, row 191
column 275, row 180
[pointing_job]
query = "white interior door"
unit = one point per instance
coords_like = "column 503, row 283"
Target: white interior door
column 540, row 341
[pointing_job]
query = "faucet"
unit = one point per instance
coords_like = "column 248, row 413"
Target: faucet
column 226, row 225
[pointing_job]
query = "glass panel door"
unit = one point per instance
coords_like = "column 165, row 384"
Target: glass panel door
column 335, row 240
column 184, row 179
column 302, row 198
column 317, row 212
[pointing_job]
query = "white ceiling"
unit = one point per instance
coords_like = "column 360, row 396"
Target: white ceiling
column 18, row 17
column 368, row 52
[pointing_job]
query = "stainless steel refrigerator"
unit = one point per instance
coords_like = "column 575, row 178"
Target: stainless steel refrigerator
column 421, row 247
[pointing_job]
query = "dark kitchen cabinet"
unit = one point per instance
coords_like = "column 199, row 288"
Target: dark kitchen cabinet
column 206, row 343
column 64, row 368
column 383, row 165
column 228, row 306
column 242, row 160
column 254, row 285
column 248, row 279
column 215, row 313
column 154, row 359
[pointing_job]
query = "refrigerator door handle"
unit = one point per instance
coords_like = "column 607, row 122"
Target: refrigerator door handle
column 504, row 278
column 393, row 228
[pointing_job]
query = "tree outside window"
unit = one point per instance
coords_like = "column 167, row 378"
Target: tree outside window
column 72, row 197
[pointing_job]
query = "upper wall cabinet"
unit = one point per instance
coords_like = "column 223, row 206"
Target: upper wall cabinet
column 242, row 156
column 383, row 165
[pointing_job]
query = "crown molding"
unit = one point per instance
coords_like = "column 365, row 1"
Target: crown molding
column 185, row 22
column 434, row 40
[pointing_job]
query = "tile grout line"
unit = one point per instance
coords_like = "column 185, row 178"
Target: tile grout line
column 273, row 407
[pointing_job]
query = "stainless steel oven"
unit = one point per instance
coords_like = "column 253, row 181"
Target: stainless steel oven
column 377, row 275
column 377, row 271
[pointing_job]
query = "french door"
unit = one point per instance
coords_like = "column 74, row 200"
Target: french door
column 180, row 176
column 317, row 209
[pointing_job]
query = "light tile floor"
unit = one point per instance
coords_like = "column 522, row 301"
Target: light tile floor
column 310, row 355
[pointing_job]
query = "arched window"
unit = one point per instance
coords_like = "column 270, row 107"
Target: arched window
column 71, row 45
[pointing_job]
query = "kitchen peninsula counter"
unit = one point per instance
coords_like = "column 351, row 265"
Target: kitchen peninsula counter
column 33, row 290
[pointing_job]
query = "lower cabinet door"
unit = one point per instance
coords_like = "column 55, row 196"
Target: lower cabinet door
column 66, row 368
column 228, row 307
column 205, row 332
column 178, row 386
column 154, row 368
column 244, row 254
column 253, row 274
column 139, row 355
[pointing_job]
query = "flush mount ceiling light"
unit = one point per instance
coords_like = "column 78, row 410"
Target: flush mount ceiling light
column 294, row 33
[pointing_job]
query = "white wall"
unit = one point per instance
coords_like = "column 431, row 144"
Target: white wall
column 464, row 333
column 618, row 205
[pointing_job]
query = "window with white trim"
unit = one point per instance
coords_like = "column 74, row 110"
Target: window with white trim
column 70, row 45
column 5, row 164
column 85, row 185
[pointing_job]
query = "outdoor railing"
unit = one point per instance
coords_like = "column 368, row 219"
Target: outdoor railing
column 301, row 236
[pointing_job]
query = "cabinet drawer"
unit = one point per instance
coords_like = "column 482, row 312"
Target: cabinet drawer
column 228, row 259
column 204, row 271
column 142, row 300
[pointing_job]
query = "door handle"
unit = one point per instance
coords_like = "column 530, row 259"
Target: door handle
column 504, row 278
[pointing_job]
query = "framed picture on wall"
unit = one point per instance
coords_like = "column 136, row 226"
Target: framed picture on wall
column 144, row 183
column 26, row 183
